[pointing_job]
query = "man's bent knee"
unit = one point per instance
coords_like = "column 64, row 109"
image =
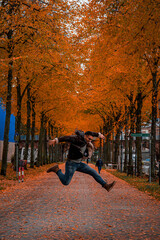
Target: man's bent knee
column 66, row 182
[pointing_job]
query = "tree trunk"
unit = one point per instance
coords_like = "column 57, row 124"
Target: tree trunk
column 7, row 120
column 117, row 141
column 107, row 129
column 10, row 50
column 130, row 163
column 39, row 159
column 52, row 150
column 49, row 136
column 153, row 127
column 100, row 149
column 113, row 147
column 126, row 149
column 18, row 119
column 126, row 140
column 108, row 148
column 32, row 133
column 45, row 157
column 138, row 130
column 56, row 148
column 19, row 104
column 28, row 123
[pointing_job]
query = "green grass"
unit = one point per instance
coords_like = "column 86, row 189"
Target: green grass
column 141, row 183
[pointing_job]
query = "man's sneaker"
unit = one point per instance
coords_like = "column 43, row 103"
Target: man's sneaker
column 108, row 187
column 55, row 169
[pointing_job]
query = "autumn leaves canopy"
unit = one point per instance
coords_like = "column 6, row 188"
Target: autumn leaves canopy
column 68, row 64
column 83, row 66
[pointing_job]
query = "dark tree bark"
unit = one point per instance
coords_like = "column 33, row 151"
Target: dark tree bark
column 7, row 120
column 45, row 157
column 153, row 127
column 28, row 123
column 139, row 139
column 40, row 142
column 126, row 149
column 52, row 151
column 126, row 140
column 108, row 148
column 32, row 132
column 108, row 127
column 138, row 130
column 19, row 104
column 131, row 113
column 10, row 49
column 49, row 136
column 112, row 147
column 117, row 142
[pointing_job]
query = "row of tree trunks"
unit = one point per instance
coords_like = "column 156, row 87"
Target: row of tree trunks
column 55, row 154
column 128, row 163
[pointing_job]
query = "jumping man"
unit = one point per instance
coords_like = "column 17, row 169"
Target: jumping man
column 78, row 145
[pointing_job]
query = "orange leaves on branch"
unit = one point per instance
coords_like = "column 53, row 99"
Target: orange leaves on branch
column 118, row 48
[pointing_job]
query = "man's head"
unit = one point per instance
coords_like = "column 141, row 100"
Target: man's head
column 88, row 136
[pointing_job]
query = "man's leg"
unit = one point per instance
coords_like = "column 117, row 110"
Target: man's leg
column 70, row 168
column 88, row 170
column 99, row 169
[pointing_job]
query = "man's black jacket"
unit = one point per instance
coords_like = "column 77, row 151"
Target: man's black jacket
column 78, row 144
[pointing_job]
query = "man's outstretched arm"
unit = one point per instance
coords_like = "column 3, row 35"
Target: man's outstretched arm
column 101, row 136
column 71, row 139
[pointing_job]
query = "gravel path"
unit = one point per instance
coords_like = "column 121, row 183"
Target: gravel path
column 45, row 209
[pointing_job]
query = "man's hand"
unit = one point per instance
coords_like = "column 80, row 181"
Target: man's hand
column 52, row 142
column 101, row 136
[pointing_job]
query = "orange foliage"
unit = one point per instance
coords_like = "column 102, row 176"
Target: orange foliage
column 82, row 66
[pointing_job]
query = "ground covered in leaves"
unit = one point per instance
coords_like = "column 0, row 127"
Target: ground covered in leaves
column 141, row 183
column 42, row 208
column 10, row 180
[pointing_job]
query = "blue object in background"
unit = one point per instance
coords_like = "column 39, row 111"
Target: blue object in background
column 2, row 124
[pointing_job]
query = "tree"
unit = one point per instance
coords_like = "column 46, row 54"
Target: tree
column 27, row 27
